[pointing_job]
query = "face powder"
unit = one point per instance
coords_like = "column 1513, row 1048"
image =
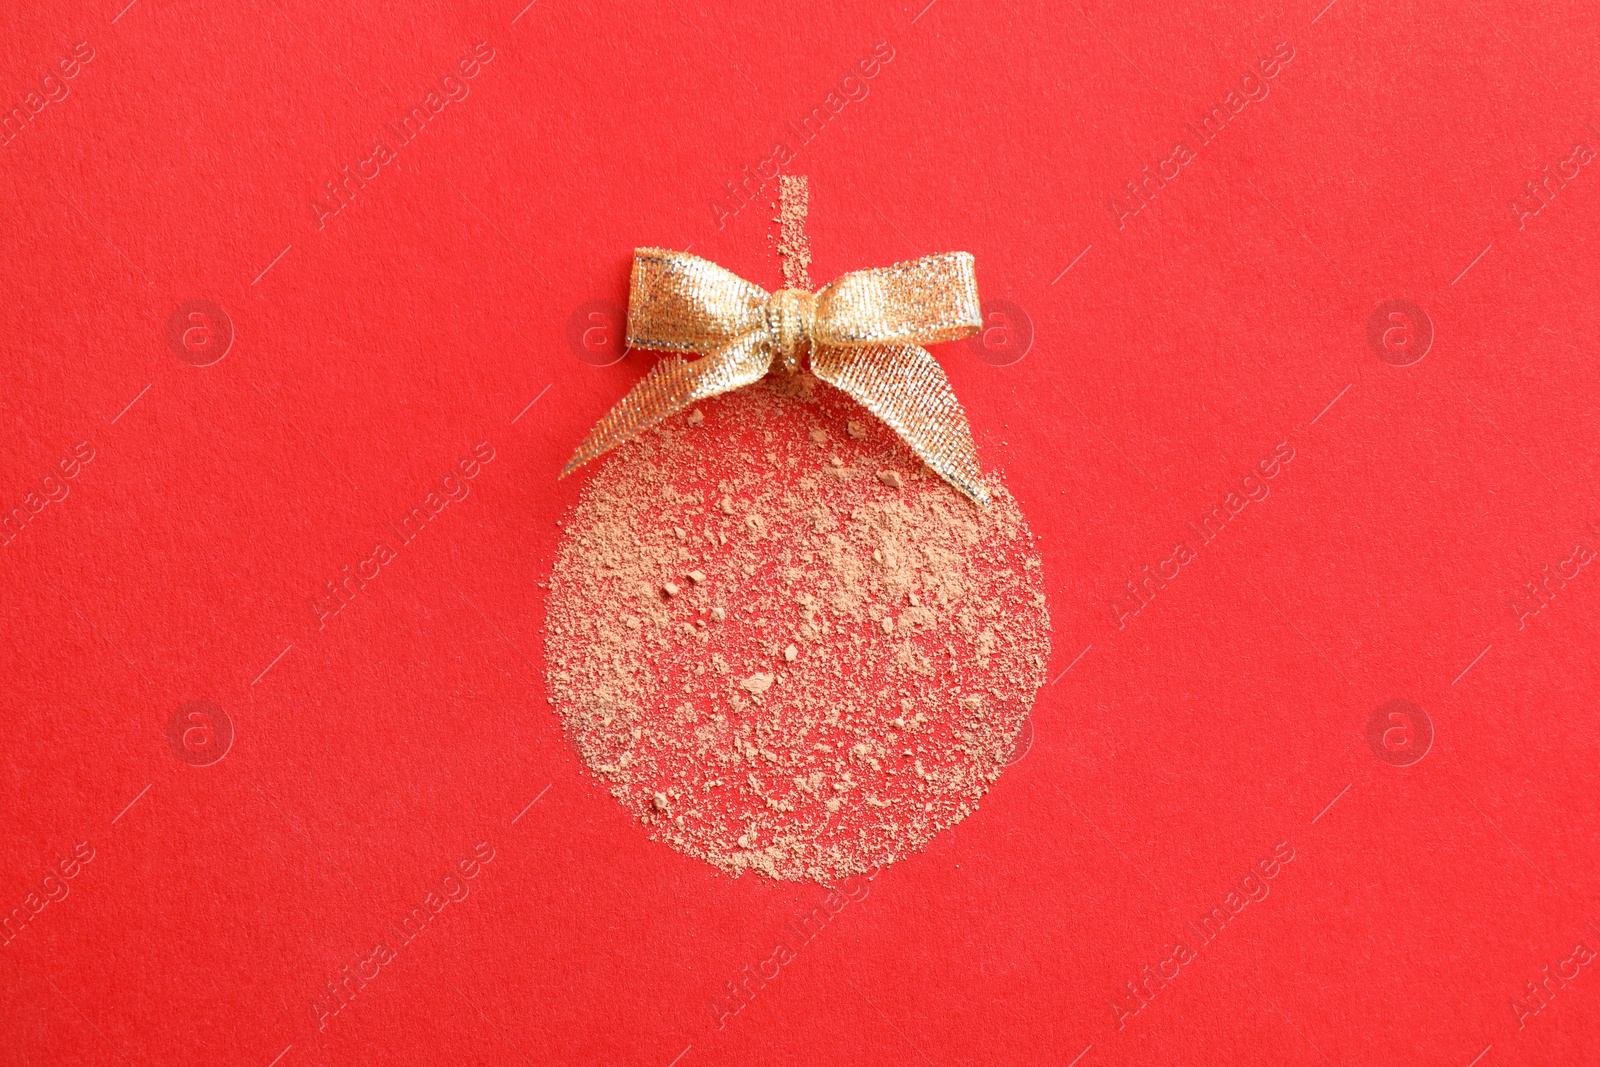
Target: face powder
column 786, row 646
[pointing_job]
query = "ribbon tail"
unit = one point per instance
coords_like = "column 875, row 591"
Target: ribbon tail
column 904, row 386
column 673, row 384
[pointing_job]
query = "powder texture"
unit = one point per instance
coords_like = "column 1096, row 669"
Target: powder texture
column 794, row 247
column 783, row 643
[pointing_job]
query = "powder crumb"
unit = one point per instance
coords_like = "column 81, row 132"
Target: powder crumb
column 695, row 417
column 892, row 479
column 824, row 783
column 794, row 247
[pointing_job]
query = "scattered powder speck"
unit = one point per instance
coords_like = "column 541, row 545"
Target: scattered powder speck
column 794, row 247
column 780, row 658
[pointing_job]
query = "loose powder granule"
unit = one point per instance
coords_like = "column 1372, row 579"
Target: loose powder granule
column 794, row 247
column 844, row 659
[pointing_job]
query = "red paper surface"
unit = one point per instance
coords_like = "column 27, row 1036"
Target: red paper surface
column 223, row 384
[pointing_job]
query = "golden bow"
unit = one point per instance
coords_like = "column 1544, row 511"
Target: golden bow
column 864, row 333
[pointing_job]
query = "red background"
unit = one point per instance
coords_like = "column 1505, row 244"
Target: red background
column 372, row 753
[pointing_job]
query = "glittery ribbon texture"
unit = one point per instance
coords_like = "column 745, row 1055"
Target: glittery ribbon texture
column 863, row 333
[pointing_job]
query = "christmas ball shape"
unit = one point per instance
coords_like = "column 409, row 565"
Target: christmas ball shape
column 785, row 645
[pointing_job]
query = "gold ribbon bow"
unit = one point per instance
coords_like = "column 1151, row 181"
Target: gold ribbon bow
column 864, row 333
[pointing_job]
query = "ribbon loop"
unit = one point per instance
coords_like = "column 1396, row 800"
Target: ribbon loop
column 864, row 332
column 927, row 301
column 682, row 303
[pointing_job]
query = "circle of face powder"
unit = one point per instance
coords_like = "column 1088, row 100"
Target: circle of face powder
column 786, row 646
